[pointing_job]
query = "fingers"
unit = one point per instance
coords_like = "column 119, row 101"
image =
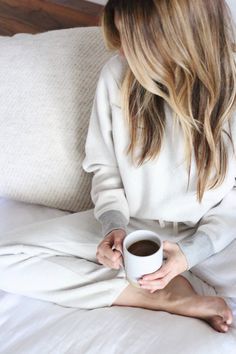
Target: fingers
column 118, row 245
column 106, row 250
column 174, row 265
column 109, row 251
column 167, row 265
column 107, row 262
column 157, row 284
column 161, row 273
column 159, row 279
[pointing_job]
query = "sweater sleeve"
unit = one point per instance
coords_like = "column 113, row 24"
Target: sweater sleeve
column 107, row 192
column 216, row 230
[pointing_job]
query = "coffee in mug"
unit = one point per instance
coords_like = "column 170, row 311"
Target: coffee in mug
column 143, row 254
column 143, row 248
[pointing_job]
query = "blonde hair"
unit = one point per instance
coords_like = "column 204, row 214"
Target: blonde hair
column 179, row 52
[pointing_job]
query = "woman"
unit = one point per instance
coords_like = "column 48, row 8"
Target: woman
column 161, row 147
column 170, row 101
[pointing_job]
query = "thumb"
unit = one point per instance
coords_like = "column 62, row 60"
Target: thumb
column 168, row 246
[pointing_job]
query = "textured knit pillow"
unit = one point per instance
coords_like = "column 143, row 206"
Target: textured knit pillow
column 48, row 82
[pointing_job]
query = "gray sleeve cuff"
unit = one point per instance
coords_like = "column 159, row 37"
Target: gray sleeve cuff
column 111, row 220
column 196, row 248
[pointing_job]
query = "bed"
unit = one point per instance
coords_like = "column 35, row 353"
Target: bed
column 30, row 326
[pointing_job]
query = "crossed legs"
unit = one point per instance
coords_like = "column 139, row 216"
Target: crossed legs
column 178, row 297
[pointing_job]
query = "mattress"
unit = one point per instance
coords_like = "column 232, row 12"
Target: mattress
column 30, row 326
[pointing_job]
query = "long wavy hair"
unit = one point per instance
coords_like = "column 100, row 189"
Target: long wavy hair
column 179, row 52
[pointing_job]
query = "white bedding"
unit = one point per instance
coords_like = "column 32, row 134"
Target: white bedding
column 31, row 326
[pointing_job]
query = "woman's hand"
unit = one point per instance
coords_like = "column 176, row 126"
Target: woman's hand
column 174, row 265
column 110, row 250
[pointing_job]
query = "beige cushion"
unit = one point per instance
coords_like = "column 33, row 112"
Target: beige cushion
column 47, row 84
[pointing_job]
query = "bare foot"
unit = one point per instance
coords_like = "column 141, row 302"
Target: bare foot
column 185, row 301
column 178, row 297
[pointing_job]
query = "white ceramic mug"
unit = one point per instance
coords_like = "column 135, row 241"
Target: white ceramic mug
column 137, row 266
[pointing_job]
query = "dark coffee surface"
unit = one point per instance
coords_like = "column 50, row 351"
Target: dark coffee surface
column 143, row 248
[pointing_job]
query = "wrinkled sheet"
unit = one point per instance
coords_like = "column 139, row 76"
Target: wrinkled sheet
column 30, row 326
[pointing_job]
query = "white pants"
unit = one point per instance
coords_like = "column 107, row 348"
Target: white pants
column 55, row 260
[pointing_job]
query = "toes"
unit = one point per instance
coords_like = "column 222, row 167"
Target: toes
column 229, row 320
column 224, row 328
column 218, row 324
column 227, row 317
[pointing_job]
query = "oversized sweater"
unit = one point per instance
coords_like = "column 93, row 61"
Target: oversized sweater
column 157, row 190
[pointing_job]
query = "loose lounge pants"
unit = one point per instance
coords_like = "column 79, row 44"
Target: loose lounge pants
column 55, row 260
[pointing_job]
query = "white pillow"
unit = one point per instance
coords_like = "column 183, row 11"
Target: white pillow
column 48, row 82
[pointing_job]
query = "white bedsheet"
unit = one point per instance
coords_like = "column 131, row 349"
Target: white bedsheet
column 31, row 326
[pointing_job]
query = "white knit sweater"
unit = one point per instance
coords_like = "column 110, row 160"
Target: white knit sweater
column 158, row 189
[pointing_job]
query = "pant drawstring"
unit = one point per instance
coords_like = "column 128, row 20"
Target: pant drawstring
column 175, row 227
column 162, row 223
